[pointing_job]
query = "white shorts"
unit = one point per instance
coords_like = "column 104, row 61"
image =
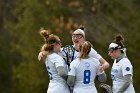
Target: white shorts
column 56, row 87
column 88, row 89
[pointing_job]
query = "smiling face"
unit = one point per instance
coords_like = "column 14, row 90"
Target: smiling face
column 78, row 38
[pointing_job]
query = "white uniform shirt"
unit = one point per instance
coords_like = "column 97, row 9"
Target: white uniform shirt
column 57, row 84
column 85, row 72
column 120, row 69
column 92, row 53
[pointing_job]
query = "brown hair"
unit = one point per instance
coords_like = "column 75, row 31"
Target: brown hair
column 50, row 40
column 119, row 40
column 85, row 49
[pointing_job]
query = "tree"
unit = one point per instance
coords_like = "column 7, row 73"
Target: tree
column 21, row 20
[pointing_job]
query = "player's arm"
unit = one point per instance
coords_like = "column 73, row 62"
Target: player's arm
column 62, row 72
column 71, row 74
column 42, row 55
column 101, row 74
column 71, row 80
column 127, row 74
column 104, row 62
column 60, row 66
column 102, row 77
column 94, row 54
column 125, row 84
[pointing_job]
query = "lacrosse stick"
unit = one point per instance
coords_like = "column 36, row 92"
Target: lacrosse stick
column 69, row 53
column 105, row 88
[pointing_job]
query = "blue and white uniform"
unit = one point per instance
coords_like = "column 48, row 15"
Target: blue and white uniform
column 119, row 70
column 93, row 53
column 85, row 71
column 57, row 84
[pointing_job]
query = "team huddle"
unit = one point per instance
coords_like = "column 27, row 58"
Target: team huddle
column 74, row 68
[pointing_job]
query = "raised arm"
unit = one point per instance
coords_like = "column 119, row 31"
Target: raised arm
column 104, row 62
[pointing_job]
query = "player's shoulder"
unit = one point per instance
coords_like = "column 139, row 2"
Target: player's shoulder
column 93, row 50
column 75, row 61
column 125, row 61
column 94, row 60
column 55, row 56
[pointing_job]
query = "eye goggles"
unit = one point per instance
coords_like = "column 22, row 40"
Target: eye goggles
column 111, row 50
column 77, row 36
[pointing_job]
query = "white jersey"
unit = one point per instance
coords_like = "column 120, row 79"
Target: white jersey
column 120, row 69
column 85, row 72
column 75, row 55
column 92, row 53
column 56, row 82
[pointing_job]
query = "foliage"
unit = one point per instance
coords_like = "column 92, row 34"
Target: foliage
column 21, row 20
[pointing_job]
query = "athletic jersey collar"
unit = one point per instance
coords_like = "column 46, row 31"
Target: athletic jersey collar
column 120, row 57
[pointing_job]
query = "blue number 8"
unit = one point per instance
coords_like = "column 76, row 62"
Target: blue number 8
column 113, row 77
column 86, row 77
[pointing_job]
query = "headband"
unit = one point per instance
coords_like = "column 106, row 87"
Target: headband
column 80, row 31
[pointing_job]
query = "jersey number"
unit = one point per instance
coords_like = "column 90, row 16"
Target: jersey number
column 113, row 77
column 50, row 74
column 86, row 77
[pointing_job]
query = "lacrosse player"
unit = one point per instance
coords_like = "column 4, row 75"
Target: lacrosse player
column 55, row 64
column 72, row 52
column 122, row 70
column 83, row 71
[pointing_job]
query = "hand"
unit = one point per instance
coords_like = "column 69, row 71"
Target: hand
column 42, row 55
column 101, row 68
column 104, row 62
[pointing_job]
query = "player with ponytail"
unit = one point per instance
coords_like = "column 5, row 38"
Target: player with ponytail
column 122, row 69
column 55, row 64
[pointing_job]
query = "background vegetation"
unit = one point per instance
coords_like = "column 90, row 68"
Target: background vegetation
column 20, row 42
